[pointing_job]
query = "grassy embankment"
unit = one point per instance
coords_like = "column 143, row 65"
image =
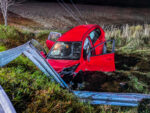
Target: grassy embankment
column 30, row 91
column 132, row 56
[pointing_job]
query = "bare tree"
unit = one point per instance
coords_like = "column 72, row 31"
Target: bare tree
column 5, row 4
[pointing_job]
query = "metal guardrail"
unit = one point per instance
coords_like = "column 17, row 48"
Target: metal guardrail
column 5, row 104
column 106, row 98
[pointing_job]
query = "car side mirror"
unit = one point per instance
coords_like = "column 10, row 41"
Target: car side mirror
column 54, row 36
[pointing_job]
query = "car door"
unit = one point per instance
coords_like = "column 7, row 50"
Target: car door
column 102, row 62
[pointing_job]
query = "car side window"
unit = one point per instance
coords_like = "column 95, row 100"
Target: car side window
column 86, row 48
column 94, row 35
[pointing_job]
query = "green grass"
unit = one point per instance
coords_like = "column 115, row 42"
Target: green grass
column 2, row 48
column 7, row 32
column 31, row 91
column 134, row 43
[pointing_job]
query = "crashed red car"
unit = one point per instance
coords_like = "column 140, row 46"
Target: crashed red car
column 82, row 48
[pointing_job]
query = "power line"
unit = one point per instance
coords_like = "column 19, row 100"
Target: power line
column 69, row 10
column 79, row 20
column 77, row 9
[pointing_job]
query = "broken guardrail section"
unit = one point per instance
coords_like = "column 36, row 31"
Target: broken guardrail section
column 96, row 98
column 5, row 104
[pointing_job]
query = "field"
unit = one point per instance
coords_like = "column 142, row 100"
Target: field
column 52, row 16
column 30, row 91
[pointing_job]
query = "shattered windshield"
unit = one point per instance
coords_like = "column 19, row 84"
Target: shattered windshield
column 66, row 50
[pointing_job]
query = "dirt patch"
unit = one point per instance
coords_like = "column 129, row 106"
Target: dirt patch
column 144, row 66
column 104, row 82
column 125, row 62
column 17, row 20
column 131, row 71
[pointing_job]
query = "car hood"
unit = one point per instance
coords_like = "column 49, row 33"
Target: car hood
column 59, row 65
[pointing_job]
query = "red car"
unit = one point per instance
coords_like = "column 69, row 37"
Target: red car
column 82, row 48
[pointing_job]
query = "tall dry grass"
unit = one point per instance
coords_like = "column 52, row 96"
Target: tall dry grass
column 130, row 38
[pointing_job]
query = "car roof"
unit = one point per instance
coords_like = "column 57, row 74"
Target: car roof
column 76, row 33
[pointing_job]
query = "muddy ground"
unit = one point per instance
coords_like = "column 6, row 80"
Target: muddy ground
column 111, row 81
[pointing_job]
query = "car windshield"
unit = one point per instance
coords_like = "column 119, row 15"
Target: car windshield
column 66, row 50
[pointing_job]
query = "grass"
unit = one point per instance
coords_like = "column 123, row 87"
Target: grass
column 31, row 91
column 134, row 42
column 131, row 39
column 7, row 32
